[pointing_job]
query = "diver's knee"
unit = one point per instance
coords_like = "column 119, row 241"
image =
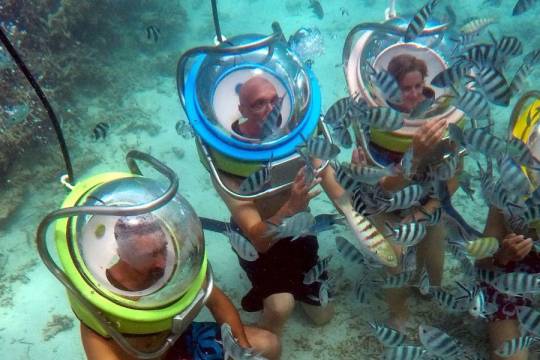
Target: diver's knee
column 281, row 304
column 264, row 341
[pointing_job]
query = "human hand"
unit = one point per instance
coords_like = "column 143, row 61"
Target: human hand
column 429, row 134
column 359, row 157
column 513, row 248
column 300, row 194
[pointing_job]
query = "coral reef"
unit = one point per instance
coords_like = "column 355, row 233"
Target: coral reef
column 58, row 324
column 74, row 49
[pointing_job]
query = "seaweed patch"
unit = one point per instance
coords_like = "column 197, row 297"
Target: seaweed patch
column 55, row 326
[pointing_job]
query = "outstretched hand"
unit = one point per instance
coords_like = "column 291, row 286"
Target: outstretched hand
column 429, row 134
column 300, row 192
column 513, row 248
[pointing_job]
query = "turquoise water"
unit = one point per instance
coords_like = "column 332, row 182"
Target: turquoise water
column 97, row 64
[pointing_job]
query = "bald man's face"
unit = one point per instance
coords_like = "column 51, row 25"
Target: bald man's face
column 257, row 97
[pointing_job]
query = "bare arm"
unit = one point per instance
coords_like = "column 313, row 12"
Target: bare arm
column 247, row 216
column 224, row 312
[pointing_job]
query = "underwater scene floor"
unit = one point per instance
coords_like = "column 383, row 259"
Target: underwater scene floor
column 36, row 321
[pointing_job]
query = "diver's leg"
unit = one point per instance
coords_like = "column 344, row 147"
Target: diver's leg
column 320, row 315
column 264, row 342
column 501, row 330
column 276, row 310
column 430, row 254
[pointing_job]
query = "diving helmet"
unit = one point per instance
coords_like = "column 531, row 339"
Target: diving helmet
column 132, row 255
column 370, row 47
column 218, row 91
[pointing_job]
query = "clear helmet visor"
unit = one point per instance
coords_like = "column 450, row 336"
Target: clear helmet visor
column 143, row 261
column 256, row 96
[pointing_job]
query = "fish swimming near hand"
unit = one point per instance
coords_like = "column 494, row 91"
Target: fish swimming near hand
column 517, row 283
column 100, row 131
column 153, row 32
column 317, row 8
column 482, row 247
column 295, row 226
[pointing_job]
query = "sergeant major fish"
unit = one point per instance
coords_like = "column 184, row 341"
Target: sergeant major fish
column 387, row 335
column 419, row 20
column 317, row 8
column 295, row 226
column 233, row 350
column 241, row 245
column 100, row 130
column 316, row 271
column 438, row 342
column 321, row 148
column 257, row 181
column 510, row 347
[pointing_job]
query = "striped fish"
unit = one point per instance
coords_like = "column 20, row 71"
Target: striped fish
column 520, row 152
column 383, row 118
column 433, row 218
column 486, row 275
column 365, row 295
column 532, row 58
column 463, row 41
column 270, row 128
column 423, row 285
column 321, row 148
column 480, row 308
column 405, row 198
column 258, row 181
column 494, row 86
column 451, row 75
column 512, row 177
column 517, row 283
column 342, row 136
column 529, row 320
column 408, row 234
column 232, row 348
column 449, row 301
column 397, row 281
column 387, row 335
column 419, row 20
column 438, row 342
column 482, row 55
column 370, row 174
column 316, row 271
column 323, row 297
column 370, row 239
column 386, row 83
column 509, row 46
column 349, row 251
column 473, row 104
column 344, row 178
column 340, row 112
column 405, row 352
column 483, row 247
column 309, row 170
column 475, row 25
column 408, row 260
column 445, row 170
column 522, row 6
column 510, row 347
column 241, row 245
column 480, row 140
column 295, row 226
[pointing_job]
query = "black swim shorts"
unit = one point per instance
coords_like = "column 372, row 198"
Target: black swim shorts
column 281, row 270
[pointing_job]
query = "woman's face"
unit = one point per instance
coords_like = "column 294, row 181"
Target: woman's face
column 412, row 89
